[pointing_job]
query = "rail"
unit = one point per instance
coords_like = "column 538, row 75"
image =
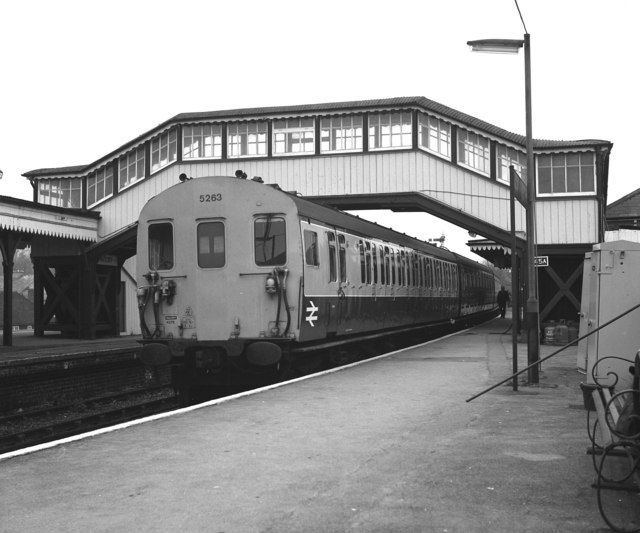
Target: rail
column 37, row 426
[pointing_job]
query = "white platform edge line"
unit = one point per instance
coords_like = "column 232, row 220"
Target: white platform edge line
column 124, row 425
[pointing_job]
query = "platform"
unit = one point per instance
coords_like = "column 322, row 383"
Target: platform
column 387, row 445
column 27, row 348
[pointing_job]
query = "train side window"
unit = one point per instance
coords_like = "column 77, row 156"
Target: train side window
column 429, row 278
column 270, row 241
column 393, row 266
column 363, row 267
column 161, row 246
column 383, row 277
column 412, row 273
column 311, row 248
column 374, row 257
column 333, row 271
column 342, row 255
column 211, row 253
column 426, row 272
column 387, row 271
column 412, row 269
column 407, row 269
column 367, row 248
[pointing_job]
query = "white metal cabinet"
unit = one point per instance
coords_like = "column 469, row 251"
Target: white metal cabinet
column 614, row 287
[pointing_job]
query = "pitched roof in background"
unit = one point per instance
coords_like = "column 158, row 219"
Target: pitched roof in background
column 627, row 206
column 419, row 102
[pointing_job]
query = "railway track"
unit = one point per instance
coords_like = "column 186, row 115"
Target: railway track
column 37, row 426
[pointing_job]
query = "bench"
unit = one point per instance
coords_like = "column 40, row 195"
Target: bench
column 614, row 433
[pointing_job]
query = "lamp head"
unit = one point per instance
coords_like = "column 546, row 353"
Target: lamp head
column 496, row 46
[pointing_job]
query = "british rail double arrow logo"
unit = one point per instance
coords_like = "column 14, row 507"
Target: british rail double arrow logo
column 311, row 317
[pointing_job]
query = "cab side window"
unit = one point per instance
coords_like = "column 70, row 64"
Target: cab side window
column 342, row 256
column 270, row 241
column 333, row 271
column 311, row 248
column 161, row 246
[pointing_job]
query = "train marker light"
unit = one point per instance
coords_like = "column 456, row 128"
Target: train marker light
column 270, row 284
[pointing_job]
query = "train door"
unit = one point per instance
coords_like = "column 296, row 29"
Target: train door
column 316, row 308
column 350, row 286
column 333, row 283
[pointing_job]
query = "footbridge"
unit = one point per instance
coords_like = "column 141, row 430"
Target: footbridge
column 404, row 154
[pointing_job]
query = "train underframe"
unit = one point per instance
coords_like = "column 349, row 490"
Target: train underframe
column 206, row 369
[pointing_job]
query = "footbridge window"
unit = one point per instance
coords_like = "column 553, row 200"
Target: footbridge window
column 473, row 151
column 341, row 134
column 164, row 150
column 566, row 174
column 99, row 185
column 294, row 136
column 247, row 139
column 434, row 135
column 389, row 130
column 131, row 167
column 505, row 157
column 60, row 192
column 202, row 141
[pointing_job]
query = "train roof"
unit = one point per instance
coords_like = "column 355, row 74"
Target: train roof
column 359, row 226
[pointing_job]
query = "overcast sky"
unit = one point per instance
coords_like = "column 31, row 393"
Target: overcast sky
column 79, row 78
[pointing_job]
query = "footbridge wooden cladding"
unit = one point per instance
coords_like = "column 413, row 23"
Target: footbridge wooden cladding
column 463, row 192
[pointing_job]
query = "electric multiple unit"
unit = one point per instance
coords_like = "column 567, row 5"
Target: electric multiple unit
column 238, row 274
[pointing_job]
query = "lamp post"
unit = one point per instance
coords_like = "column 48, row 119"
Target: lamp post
column 512, row 46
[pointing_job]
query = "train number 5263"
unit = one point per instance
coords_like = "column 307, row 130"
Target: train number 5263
column 216, row 197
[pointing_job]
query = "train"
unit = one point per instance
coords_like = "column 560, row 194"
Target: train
column 237, row 275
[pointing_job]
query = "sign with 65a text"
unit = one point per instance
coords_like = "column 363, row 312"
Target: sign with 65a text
column 541, row 261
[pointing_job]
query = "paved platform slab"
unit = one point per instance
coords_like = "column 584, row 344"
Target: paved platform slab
column 389, row 445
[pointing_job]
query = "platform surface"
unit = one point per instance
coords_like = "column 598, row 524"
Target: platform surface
column 28, row 349
column 389, row 445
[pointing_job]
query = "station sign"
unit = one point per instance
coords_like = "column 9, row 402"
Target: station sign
column 541, row 261
column 108, row 260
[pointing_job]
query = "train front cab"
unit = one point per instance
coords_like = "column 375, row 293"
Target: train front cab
column 224, row 249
